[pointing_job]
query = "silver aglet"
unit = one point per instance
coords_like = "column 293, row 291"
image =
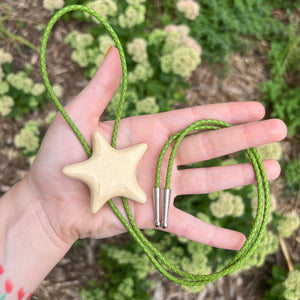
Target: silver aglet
column 165, row 207
column 156, row 197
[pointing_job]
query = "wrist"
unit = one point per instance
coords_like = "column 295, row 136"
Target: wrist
column 29, row 247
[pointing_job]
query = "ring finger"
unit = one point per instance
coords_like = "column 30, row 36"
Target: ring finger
column 208, row 180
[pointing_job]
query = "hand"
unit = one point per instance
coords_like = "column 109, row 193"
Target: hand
column 63, row 204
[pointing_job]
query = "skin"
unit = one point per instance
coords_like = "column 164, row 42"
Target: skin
column 60, row 207
column 70, row 198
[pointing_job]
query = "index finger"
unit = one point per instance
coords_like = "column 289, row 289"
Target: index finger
column 230, row 112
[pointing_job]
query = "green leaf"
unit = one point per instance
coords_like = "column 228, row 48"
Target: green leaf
column 155, row 87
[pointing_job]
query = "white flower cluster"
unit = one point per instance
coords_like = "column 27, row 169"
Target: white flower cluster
column 38, row 89
column 189, row 8
column 50, row 117
column 4, row 87
column 139, row 262
column 227, row 205
column 105, row 41
column 292, row 286
column 58, row 90
column 20, row 81
column 80, row 42
column 268, row 245
column 181, row 53
column 53, row 4
column 134, row 14
column 27, row 94
column 5, row 57
column 288, row 223
column 147, row 105
column 6, row 104
column 77, row 39
column 197, row 262
column 125, row 289
column 105, row 8
column 27, row 139
column 138, row 50
column 141, row 72
column 270, row 151
column 157, row 37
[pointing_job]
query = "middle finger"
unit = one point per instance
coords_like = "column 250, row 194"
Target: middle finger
column 216, row 143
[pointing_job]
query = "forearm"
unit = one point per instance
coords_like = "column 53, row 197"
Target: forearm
column 29, row 248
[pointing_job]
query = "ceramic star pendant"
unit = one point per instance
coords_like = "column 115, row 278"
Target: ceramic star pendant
column 109, row 172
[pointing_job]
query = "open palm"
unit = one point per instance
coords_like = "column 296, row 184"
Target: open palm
column 65, row 202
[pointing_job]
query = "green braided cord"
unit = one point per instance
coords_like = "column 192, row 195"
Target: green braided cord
column 160, row 262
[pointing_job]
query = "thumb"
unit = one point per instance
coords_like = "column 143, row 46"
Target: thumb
column 93, row 99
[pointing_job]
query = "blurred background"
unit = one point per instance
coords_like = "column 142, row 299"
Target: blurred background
column 204, row 52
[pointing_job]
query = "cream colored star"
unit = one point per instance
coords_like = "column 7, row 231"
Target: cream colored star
column 109, row 172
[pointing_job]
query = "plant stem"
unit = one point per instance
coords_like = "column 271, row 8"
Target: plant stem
column 18, row 38
column 286, row 254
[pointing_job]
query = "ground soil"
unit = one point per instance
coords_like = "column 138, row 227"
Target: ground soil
column 208, row 85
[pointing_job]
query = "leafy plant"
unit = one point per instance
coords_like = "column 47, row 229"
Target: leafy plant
column 284, row 99
column 28, row 138
column 128, row 261
column 283, row 284
column 156, row 58
column 292, row 175
column 126, row 271
column 286, row 224
column 19, row 94
column 152, row 37
column 224, row 27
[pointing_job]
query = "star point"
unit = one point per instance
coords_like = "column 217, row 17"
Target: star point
column 109, row 172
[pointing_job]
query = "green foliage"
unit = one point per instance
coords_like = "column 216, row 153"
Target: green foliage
column 126, row 271
column 283, row 284
column 284, row 63
column 292, row 286
column 19, row 94
column 92, row 292
column 227, row 205
column 292, row 175
column 156, row 58
column 160, row 53
column 29, row 137
column 286, row 223
column 122, row 263
column 224, row 27
column 267, row 246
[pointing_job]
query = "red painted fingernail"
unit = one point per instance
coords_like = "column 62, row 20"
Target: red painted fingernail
column 108, row 51
column 29, row 296
column 1, row 270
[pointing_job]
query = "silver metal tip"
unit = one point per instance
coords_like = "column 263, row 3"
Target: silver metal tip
column 164, row 225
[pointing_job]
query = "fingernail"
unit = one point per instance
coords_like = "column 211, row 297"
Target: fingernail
column 107, row 51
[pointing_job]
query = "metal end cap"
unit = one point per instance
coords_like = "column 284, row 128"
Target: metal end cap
column 164, row 225
column 157, row 224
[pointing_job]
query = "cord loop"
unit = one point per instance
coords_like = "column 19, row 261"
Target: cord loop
column 160, row 262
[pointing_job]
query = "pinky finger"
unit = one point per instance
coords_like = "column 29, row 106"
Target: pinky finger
column 192, row 228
